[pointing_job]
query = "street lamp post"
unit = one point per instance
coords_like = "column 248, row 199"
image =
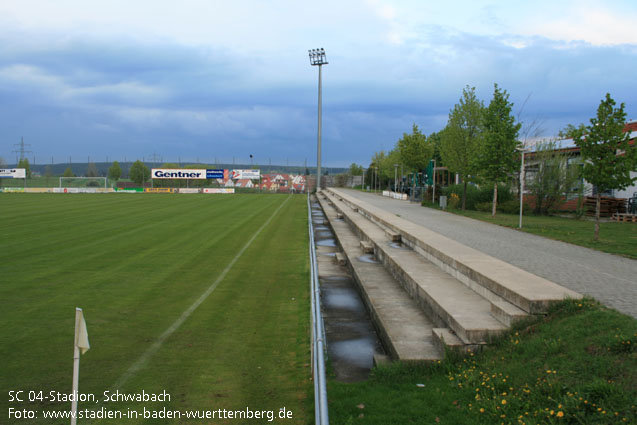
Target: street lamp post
column 522, row 176
column 363, row 185
column 317, row 58
column 377, row 185
column 395, row 176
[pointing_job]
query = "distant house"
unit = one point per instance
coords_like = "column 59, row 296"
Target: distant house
column 572, row 151
column 298, row 179
column 245, row 183
column 267, row 186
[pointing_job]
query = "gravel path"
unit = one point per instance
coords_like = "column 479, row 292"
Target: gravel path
column 609, row 278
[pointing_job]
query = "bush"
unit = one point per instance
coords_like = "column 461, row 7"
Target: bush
column 453, row 201
column 479, row 195
column 484, row 206
column 513, row 207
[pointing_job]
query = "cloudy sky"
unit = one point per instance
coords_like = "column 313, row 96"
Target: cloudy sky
column 221, row 79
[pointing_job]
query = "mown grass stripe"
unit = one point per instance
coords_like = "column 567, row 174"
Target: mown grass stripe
column 139, row 363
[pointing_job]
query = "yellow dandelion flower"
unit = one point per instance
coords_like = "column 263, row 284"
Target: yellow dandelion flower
column 482, row 410
column 504, row 402
column 560, row 414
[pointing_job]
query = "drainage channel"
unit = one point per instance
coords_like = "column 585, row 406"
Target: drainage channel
column 351, row 338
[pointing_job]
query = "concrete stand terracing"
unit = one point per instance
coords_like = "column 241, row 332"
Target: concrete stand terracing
column 457, row 297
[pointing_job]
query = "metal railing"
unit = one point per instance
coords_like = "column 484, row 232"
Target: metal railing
column 318, row 333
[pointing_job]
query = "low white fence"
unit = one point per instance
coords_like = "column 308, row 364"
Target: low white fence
column 395, row 195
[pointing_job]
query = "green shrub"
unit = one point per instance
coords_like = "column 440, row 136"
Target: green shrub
column 513, row 207
column 453, row 201
column 479, row 195
column 484, row 206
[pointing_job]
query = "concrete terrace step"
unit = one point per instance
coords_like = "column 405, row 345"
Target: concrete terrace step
column 443, row 298
column 483, row 273
column 404, row 328
column 445, row 340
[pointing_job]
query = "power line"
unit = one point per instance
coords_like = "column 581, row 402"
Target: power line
column 21, row 149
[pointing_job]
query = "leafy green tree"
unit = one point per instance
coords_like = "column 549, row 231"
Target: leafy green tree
column 569, row 130
column 414, row 151
column 607, row 156
column 68, row 172
column 355, row 170
column 552, row 179
column 376, row 169
column 387, row 167
column 435, row 139
column 460, row 140
column 24, row 163
column 115, row 171
column 91, row 170
column 139, row 172
column 498, row 154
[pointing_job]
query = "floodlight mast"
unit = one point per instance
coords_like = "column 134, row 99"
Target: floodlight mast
column 317, row 58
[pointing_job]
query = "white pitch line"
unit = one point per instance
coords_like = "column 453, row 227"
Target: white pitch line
column 143, row 359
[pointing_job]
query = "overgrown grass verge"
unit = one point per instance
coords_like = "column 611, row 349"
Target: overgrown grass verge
column 614, row 238
column 577, row 365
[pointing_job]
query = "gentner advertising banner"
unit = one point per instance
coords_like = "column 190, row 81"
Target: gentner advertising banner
column 13, row 173
column 246, row 174
column 176, row 173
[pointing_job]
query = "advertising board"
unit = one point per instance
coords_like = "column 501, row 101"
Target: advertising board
column 246, row 174
column 186, row 190
column 38, row 189
column 176, row 173
column 219, row 190
column 13, row 173
column 217, row 174
column 158, row 190
column 129, row 189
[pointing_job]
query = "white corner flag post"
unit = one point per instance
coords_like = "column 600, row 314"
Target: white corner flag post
column 81, row 346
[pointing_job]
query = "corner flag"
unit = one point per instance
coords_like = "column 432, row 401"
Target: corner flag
column 82, row 334
column 81, row 345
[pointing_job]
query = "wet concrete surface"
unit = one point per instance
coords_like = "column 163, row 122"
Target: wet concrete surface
column 351, row 338
column 325, row 242
column 368, row 258
column 398, row 245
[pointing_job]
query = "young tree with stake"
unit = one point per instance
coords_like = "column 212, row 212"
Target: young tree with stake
column 460, row 140
column 499, row 155
column 607, row 156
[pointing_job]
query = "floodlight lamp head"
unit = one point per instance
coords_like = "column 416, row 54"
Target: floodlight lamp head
column 317, row 57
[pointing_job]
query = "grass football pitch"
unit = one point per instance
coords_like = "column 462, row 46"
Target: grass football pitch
column 203, row 297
